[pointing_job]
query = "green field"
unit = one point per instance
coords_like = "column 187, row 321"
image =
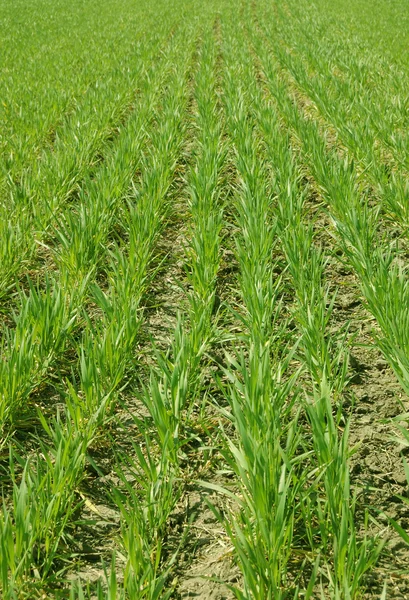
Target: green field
column 204, row 299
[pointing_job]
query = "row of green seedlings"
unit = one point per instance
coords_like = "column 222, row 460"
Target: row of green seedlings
column 264, row 544
column 382, row 276
column 375, row 261
column 36, row 340
column 46, row 494
column 391, row 187
column 173, row 392
column 359, row 134
column 324, row 354
column 258, row 397
column 149, row 487
column 32, row 200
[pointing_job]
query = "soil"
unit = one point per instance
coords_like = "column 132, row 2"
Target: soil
column 207, row 566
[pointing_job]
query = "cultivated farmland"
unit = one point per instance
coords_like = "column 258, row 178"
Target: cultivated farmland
column 204, row 299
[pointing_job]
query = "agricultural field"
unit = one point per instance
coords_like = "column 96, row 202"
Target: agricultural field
column 204, row 300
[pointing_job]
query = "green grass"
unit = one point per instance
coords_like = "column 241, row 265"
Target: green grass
column 180, row 185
